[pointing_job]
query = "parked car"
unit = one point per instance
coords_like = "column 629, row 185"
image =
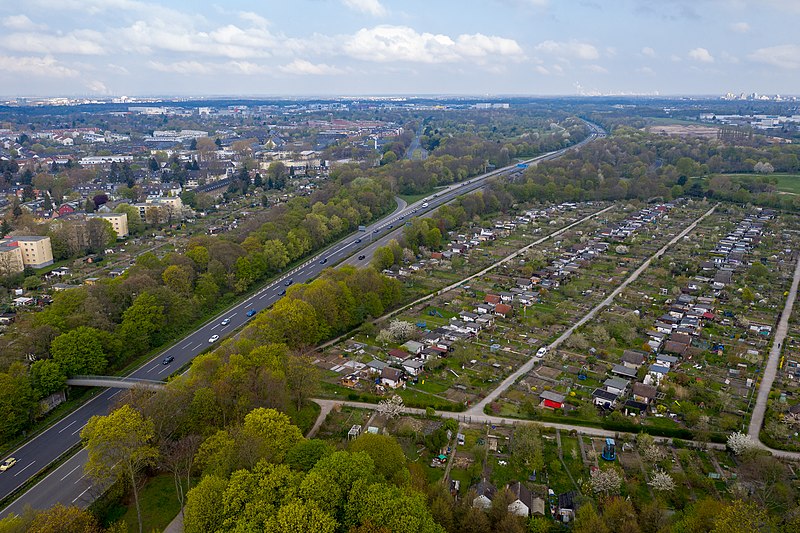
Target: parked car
column 167, row 360
column 8, row 463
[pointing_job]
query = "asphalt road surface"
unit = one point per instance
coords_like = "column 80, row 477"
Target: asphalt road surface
column 68, row 485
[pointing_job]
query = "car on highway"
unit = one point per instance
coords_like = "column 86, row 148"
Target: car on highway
column 361, row 257
column 376, row 230
column 288, row 282
column 358, row 241
column 225, row 322
column 323, row 261
column 425, row 204
column 213, row 339
column 251, row 312
column 390, row 226
column 8, row 463
column 283, row 292
column 167, row 360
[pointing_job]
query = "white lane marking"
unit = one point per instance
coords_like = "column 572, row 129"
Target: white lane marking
column 233, row 315
column 199, row 345
column 152, row 369
column 166, row 367
column 81, row 494
column 115, row 394
column 68, row 425
column 214, row 326
column 187, row 345
column 263, row 296
column 70, row 472
column 77, row 430
column 21, row 471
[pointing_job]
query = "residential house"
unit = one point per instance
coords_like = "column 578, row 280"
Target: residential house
column 392, row 377
column 644, row 393
column 616, row 386
column 376, row 366
column 566, row 506
column 503, row 310
column 521, row 505
column 603, row 398
column 537, row 507
column 484, row 494
column 633, row 358
column 624, row 371
column 414, row 347
column 675, row 347
column 552, row 399
column 413, row 367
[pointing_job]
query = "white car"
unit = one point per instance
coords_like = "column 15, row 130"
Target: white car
column 542, row 351
column 225, row 322
column 425, row 204
column 213, row 339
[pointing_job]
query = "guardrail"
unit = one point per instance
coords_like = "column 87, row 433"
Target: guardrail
column 115, row 382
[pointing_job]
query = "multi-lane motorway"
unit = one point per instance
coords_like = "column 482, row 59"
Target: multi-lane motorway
column 68, row 485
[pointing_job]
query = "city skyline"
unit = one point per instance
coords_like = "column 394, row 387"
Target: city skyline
column 377, row 47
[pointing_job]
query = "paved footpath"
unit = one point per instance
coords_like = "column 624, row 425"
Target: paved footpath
column 771, row 369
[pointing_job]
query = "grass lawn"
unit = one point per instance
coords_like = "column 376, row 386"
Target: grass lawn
column 411, row 198
column 159, row 505
column 786, row 182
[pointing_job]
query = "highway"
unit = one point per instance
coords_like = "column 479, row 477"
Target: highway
column 68, row 484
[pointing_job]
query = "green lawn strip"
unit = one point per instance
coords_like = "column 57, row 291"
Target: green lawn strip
column 159, row 504
column 413, row 198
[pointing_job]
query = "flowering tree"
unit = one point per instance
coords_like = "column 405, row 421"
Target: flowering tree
column 605, row 481
column 740, row 443
column 391, row 408
column 661, row 481
column 398, row 330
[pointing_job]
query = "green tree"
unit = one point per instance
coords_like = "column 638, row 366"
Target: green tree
column 79, row 352
column 16, row 400
column 179, row 278
column 386, row 454
column 141, row 323
column 119, row 446
column 302, row 378
column 379, row 503
column 741, row 517
column 300, row 517
column 202, row 513
column 272, row 432
column 307, row 453
column 47, row 377
column 526, row 447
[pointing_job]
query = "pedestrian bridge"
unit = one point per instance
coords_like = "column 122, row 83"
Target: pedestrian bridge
column 115, row 382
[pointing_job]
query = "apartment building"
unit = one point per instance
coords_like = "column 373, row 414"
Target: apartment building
column 36, row 251
column 119, row 221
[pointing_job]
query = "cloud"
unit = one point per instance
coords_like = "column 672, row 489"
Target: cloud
column 386, row 43
column 569, row 50
column 740, row 27
column 370, row 7
column 301, row 67
column 81, row 42
column 541, row 70
column 701, row 55
column 181, row 67
column 648, row 52
column 254, row 18
column 597, row 69
column 97, row 86
column 22, row 23
column 786, row 56
column 46, row 66
column 645, row 70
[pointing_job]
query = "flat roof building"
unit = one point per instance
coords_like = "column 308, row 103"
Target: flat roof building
column 36, row 251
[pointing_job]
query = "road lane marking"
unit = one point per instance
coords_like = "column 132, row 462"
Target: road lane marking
column 115, row 394
column 186, row 345
column 81, row 494
column 21, row 471
column 152, row 368
column 70, row 472
column 199, row 345
column 214, row 326
column 263, row 296
column 68, row 425
column 80, row 428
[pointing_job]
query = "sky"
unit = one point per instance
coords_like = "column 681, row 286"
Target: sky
column 398, row 47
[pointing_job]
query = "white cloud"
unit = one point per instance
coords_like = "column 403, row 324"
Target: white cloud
column 542, row 70
column 786, row 56
column 22, row 23
column 254, row 18
column 370, row 7
column 569, row 50
column 97, row 86
column 46, row 66
column 645, row 70
column 740, row 27
column 701, row 55
column 400, row 43
column 181, row 67
column 597, row 69
column 81, row 42
column 648, row 52
column 304, row 68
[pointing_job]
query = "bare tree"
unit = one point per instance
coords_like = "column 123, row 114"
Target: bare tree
column 391, row 408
